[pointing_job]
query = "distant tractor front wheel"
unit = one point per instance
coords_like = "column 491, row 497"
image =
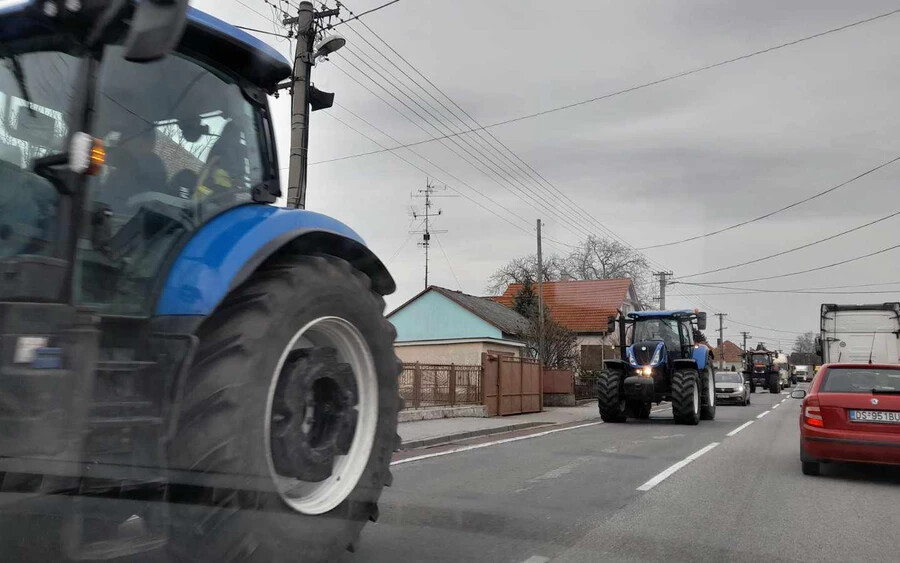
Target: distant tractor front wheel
column 287, row 419
column 610, row 399
column 686, row 396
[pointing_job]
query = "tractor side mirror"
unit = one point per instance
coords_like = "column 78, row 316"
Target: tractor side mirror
column 156, row 27
column 701, row 321
column 610, row 325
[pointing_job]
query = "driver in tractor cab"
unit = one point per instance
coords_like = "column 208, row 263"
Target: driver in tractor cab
column 223, row 172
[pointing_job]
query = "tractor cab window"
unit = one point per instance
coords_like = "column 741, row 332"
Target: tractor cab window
column 658, row 329
column 182, row 144
column 33, row 124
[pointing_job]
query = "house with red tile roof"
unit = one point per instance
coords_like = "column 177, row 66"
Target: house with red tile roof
column 583, row 306
column 731, row 355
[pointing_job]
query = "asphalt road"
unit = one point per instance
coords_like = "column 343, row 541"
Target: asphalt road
column 603, row 492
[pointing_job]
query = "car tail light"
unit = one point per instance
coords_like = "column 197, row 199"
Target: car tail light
column 813, row 416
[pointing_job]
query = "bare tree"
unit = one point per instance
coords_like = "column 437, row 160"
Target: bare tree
column 518, row 270
column 598, row 258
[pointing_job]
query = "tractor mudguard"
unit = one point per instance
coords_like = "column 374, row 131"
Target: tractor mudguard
column 616, row 364
column 686, row 364
column 228, row 249
column 701, row 355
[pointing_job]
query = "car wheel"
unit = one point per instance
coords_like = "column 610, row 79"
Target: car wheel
column 811, row 467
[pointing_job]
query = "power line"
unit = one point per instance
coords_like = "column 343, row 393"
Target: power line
column 646, row 84
column 833, row 264
column 449, row 265
column 264, row 32
column 744, row 290
column 795, row 249
column 775, row 212
column 357, row 16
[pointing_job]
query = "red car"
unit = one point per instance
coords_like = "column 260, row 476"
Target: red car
column 851, row 413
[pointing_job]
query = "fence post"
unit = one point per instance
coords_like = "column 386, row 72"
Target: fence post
column 417, row 385
column 452, row 385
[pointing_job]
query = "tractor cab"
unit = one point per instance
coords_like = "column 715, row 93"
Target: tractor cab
column 654, row 338
column 112, row 155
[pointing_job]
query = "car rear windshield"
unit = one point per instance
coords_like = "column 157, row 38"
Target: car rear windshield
column 860, row 380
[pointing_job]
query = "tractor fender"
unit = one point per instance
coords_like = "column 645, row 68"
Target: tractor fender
column 686, row 364
column 616, row 364
column 701, row 355
column 223, row 253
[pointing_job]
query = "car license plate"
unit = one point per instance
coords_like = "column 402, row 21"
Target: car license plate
column 875, row 416
column 722, row 396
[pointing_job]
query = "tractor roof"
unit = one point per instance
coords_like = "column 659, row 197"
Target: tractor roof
column 209, row 36
column 661, row 314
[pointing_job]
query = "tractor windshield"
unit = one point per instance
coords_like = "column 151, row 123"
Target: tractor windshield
column 657, row 329
column 36, row 90
column 760, row 358
column 182, row 144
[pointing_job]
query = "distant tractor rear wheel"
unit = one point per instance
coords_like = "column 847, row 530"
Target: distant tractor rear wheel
column 610, row 399
column 774, row 384
column 686, row 396
column 707, row 393
column 288, row 418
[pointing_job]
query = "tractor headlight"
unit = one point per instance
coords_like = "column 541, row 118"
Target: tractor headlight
column 646, row 371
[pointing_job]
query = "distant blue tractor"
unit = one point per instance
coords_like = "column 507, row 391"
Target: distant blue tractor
column 660, row 361
column 184, row 368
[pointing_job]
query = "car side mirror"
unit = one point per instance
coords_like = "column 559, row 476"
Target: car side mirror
column 798, row 394
column 156, row 27
column 610, row 325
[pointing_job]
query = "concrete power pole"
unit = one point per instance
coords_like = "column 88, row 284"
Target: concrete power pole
column 302, row 95
column 746, row 335
column 540, row 284
column 303, row 62
column 721, row 340
column 663, row 279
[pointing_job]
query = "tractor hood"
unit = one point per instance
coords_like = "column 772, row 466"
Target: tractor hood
column 647, row 353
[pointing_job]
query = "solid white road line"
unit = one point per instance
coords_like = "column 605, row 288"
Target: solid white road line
column 739, row 428
column 762, row 414
column 494, row 443
column 668, row 472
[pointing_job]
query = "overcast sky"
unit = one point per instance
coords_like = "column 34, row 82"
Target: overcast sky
column 662, row 163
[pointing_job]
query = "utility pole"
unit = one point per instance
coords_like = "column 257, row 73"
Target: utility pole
column 303, row 94
column 427, row 214
column 721, row 341
column 746, row 335
column 540, row 284
column 663, row 279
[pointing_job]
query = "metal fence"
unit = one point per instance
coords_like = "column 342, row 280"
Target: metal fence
column 585, row 388
column 435, row 385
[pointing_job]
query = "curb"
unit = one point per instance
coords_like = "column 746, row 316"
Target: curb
column 413, row 444
column 582, row 402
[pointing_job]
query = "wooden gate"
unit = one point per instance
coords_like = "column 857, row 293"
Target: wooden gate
column 511, row 385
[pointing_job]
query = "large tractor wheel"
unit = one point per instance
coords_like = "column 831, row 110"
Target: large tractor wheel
column 610, row 400
column 287, row 419
column 686, row 396
column 774, row 384
column 707, row 393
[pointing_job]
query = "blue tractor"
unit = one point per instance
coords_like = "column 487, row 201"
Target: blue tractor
column 660, row 361
column 186, row 370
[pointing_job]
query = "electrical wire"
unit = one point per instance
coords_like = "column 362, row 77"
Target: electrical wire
column 816, row 269
column 654, row 82
column 795, row 249
column 449, row 265
column 775, row 212
column 263, row 32
column 355, row 17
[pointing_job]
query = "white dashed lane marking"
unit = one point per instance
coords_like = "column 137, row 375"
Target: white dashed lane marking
column 762, row 414
column 675, row 467
column 739, row 428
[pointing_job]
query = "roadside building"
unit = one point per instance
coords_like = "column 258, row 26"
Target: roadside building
column 731, row 356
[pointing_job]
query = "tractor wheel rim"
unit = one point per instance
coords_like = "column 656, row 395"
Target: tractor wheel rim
column 695, row 395
column 314, row 498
